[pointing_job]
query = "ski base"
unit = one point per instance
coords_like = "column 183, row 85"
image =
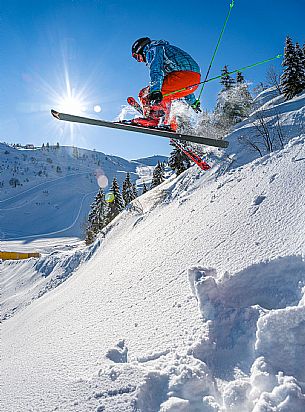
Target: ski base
column 202, row 164
column 140, row 129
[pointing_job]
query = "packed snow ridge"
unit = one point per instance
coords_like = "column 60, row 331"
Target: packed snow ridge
column 194, row 299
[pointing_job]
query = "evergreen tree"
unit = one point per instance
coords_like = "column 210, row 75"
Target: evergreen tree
column 128, row 190
column 134, row 190
column 301, row 56
column 158, row 176
column 90, row 236
column 240, row 78
column 226, row 80
column 178, row 161
column 145, row 189
column 97, row 218
column 117, row 205
column 233, row 105
column 293, row 78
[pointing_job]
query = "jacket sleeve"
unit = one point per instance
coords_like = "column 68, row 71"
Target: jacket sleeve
column 155, row 62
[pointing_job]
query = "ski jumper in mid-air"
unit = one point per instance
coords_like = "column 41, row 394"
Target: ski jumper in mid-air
column 171, row 69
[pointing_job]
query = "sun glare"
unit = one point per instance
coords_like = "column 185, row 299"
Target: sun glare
column 71, row 105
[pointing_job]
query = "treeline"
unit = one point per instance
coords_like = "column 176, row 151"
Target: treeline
column 106, row 207
column 293, row 77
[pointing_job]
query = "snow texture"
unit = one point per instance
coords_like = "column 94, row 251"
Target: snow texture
column 193, row 300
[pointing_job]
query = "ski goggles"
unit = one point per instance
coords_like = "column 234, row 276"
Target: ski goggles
column 139, row 57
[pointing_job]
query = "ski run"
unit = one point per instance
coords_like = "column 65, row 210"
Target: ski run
column 192, row 300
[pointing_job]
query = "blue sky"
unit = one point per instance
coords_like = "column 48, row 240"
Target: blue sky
column 51, row 48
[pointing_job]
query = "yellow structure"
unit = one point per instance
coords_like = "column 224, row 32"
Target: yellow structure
column 17, row 255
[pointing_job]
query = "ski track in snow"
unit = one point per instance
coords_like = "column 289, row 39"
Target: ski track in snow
column 56, row 232
column 193, row 302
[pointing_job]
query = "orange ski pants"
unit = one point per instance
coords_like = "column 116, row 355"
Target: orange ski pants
column 172, row 82
column 179, row 80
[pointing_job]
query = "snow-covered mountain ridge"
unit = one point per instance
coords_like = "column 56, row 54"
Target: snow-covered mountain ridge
column 193, row 300
column 57, row 182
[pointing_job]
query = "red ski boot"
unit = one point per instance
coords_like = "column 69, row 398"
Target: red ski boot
column 145, row 122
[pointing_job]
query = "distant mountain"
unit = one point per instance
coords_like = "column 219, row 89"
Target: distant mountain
column 48, row 191
column 152, row 160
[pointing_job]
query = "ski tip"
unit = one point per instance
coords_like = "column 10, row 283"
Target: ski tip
column 55, row 114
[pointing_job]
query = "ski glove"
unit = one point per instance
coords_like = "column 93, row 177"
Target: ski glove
column 196, row 107
column 155, row 97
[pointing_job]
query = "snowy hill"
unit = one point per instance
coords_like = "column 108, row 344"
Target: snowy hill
column 193, row 301
column 153, row 160
column 47, row 192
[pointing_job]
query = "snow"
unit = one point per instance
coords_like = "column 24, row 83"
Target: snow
column 191, row 301
column 60, row 183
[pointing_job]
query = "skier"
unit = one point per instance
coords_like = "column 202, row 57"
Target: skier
column 171, row 69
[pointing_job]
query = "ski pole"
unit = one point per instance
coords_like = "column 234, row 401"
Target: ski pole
column 215, row 51
column 224, row 75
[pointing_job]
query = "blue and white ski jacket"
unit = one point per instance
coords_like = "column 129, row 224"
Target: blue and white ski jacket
column 162, row 58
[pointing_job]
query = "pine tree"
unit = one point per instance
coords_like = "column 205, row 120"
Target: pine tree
column 301, row 56
column 90, row 236
column 233, row 105
column 158, row 176
column 240, row 78
column 128, row 190
column 117, row 205
column 134, row 191
column 97, row 218
column 245, row 101
column 145, row 189
column 226, row 80
column 293, row 78
column 178, row 161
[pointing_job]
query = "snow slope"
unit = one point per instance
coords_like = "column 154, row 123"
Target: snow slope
column 59, row 183
column 47, row 210
column 193, row 300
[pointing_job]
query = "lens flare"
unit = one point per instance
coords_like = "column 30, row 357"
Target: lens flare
column 102, row 181
column 101, row 178
column 97, row 108
column 109, row 197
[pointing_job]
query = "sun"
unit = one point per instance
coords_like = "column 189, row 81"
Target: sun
column 70, row 104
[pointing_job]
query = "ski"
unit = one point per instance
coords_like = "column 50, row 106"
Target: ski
column 136, row 105
column 187, row 151
column 140, row 129
column 192, row 156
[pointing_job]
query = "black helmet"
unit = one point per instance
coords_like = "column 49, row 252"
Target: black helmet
column 138, row 45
